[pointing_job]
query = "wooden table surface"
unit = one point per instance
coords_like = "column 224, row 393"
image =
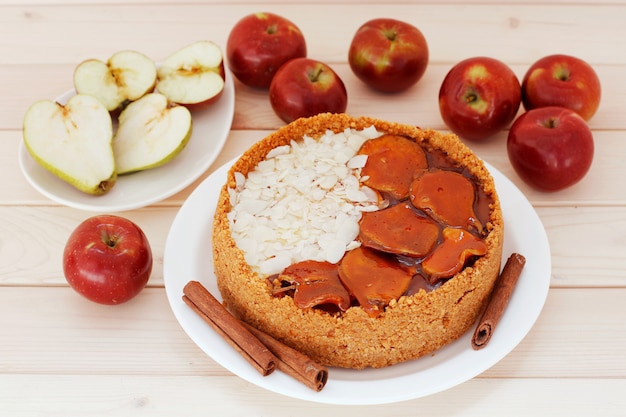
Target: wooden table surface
column 61, row 355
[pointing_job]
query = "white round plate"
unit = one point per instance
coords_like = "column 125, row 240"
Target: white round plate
column 188, row 256
column 210, row 130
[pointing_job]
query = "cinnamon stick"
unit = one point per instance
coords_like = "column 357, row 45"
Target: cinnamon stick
column 293, row 362
column 227, row 326
column 498, row 301
column 246, row 340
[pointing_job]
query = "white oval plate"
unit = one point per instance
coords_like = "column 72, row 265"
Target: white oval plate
column 188, row 256
column 210, row 131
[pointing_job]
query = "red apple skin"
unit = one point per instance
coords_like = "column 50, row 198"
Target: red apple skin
column 304, row 87
column 550, row 148
column 479, row 97
column 259, row 44
column 388, row 55
column 107, row 259
column 563, row 81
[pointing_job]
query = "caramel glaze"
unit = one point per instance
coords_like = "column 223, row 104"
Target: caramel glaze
column 439, row 160
column 293, row 282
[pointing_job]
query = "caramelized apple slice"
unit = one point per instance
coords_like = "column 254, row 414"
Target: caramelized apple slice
column 450, row 256
column 448, row 196
column 316, row 283
column 398, row 229
column 392, row 162
column 373, row 278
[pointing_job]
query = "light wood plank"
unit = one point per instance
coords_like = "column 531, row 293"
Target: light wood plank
column 56, row 331
column 61, row 354
column 587, row 244
column 600, row 186
column 418, row 105
column 581, row 333
column 34, row 238
column 513, row 32
column 167, row 396
column 263, row 3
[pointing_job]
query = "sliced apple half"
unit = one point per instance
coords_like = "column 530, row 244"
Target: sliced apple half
column 193, row 76
column 151, row 132
column 73, row 141
column 125, row 77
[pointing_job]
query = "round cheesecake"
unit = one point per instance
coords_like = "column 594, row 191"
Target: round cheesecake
column 421, row 302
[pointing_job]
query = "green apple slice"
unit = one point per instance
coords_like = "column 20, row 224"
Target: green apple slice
column 73, row 141
column 125, row 77
column 151, row 132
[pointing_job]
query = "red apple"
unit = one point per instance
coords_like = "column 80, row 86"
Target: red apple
column 304, row 87
column 564, row 81
column 107, row 259
column 388, row 55
column 550, row 148
column 479, row 97
column 259, row 44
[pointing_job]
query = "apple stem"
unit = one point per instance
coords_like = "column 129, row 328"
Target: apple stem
column 391, row 34
column 562, row 74
column 551, row 123
column 108, row 239
column 315, row 74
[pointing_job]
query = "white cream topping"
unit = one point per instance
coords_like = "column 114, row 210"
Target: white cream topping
column 302, row 202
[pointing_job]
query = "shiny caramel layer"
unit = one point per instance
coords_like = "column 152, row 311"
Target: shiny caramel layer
column 429, row 227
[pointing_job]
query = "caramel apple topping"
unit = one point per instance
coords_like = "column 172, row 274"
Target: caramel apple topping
column 448, row 196
column 392, row 162
column 373, row 278
column 399, row 229
column 452, row 253
column 316, row 283
column 429, row 224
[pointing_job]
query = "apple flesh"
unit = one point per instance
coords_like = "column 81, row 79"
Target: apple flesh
column 151, row 133
column 126, row 76
column 193, row 76
column 388, row 55
column 259, row 44
column 562, row 81
column 73, row 142
column 479, row 97
column 550, row 148
column 107, row 259
column 304, row 87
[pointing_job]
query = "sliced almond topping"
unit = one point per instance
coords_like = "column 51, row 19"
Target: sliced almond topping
column 392, row 163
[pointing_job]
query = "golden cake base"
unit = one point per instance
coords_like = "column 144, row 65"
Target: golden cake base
column 409, row 328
